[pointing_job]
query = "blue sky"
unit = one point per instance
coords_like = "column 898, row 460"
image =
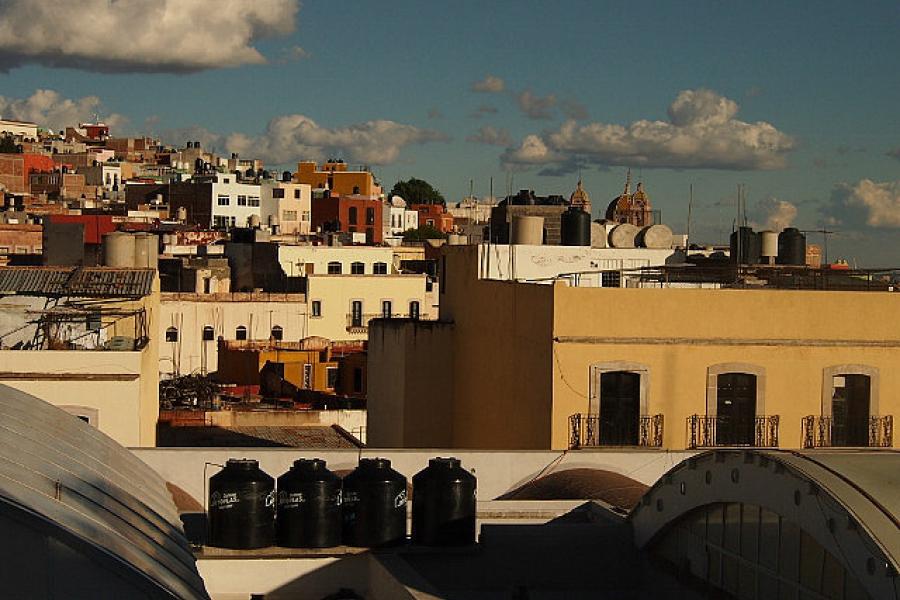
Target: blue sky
column 821, row 77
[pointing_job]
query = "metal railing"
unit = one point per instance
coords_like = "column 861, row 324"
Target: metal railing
column 592, row 431
column 828, row 432
column 705, row 431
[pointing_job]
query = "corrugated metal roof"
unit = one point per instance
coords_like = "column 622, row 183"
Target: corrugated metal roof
column 103, row 282
column 62, row 471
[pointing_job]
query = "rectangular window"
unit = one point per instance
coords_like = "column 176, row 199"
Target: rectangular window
column 242, row 201
column 226, row 180
column 611, row 279
column 224, row 200
column 278, row 192
column 289, row 215
column 386, row 309
column 253, row 200
column 331, row 374
column 414, row 309
column 307, row 376
column 220, row 222
column 305, row 215
column 370, row 216
column 357, row 380
column 296, row 194
column 357, row 268
column 351, row 215
column 317, row 308
column 334, row 268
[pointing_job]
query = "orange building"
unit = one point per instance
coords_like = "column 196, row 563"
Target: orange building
column 434, row 215
column 335, row 176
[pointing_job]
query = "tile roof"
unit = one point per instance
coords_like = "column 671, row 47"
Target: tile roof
column 101, row 282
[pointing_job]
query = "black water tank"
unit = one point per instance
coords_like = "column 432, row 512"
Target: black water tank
column 241, row 506
column 575, row 227
column 791, row 247
column 745, row 246
column 374, row 509
column 443, row 507
column 309, row 506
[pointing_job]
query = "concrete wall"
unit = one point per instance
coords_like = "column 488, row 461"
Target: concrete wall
column 681, row 335
column 190, row 315
column 410, row 387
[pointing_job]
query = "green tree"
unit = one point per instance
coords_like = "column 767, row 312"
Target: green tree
column 422, row 233
column 417, row 191
column 8, row 145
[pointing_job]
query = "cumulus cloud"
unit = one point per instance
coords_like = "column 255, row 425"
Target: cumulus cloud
column 774, row 214
column 136, row 35
column 702, row 133
column 290, row 137
column 49, row 109
column 865, row 203
column 489, row 85
column 491, row 136
column 536, row 107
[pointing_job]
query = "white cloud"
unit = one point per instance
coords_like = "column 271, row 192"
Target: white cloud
column 536, row 107
column 489, row 85
column 701, row 133
column 491, row 136
column 137, row 35
column 774, row 214
column 49, row 109
column 292, row 137
column 865, row 203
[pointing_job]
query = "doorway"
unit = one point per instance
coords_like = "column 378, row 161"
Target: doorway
column 735, row 409
column 850, row 410
column 620, row 408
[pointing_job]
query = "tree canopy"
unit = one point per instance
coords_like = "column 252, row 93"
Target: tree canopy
column 422, row 233
column 8, row 145
column 417, row 191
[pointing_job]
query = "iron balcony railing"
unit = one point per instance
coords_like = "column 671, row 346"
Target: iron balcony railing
column 592, row 431
column 704, row 431
column 827, row 432
column 359, row 322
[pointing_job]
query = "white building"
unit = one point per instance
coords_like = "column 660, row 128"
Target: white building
column 304, row 260
column 397, row 219
column 234, row 203
column 287, row 205
column 24, row 129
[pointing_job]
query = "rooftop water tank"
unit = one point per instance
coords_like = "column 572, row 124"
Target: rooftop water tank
column 623, row 235
column 598, row 235
column 575, row 227
column 146, row 250
column 374, row 505
column 444, row 507
column 768, row 246
column 253, row 221
column 658, row 237
column 118, row 249
column 528, row 231
column 309, row 506
column 241, row 506
column 791, row 247
column 745, row 246
column 182, row 213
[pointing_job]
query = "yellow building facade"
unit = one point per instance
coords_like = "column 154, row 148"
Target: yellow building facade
column 335, row 176
column 551, row 366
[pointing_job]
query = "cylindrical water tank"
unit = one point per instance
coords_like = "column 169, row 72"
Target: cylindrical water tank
column 575, row 227
column 309, row 506
column 791, row 247
column 745, row 246
column 623, row 235
column 146, row 250
column 598, row 235
column 527, row 231
column 241, row 506
column 253, row 221
column 118, row 249
column 443, row 511
column 655, row 236
column 768, row 246
column 182, row 213
column 374, row 508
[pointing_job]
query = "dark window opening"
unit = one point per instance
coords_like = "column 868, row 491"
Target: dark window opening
column 850, row 410
column 357, row 268
column 735, row 409
column 317, row 308
column 620, row 408
column 356, row 313
column 351, row 215
column 172, row 334
column 240, row 333
column 357, row 380
column 334, row 268
column 209, row 334
column 386, row 309
column 414, row 309
column 277, row 333
column 379, row 268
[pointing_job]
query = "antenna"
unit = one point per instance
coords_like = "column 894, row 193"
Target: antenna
column 825, row 233
column 687, row 237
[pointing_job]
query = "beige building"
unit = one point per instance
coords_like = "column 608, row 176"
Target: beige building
column 301, row 260
column 85, row 340
column 520, row 365
column 191, row 324
column 340, row 307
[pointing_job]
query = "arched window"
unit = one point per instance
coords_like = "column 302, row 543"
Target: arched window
column 379, row 268
column 209, row 334
column 334, row 268
column 172, row 334
column 240, row 333
column 277, row 333
column 357, row 268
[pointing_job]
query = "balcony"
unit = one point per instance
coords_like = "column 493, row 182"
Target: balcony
column 359, row 323
column 589, row 431
column 828, row 432
column 707, row 431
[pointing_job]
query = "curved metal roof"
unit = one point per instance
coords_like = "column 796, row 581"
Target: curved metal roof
column 81, row 484
column 849, row 500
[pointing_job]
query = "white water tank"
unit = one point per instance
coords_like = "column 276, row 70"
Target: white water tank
column 528, row 231
column 598, row 235
column 145, row 250
column 623, row 235
column 253, row 221
column 182, row 213
column 118, row 249
column 768, row 246
column 656, row 236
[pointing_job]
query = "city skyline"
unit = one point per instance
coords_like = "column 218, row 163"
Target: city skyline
column 795, row 103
